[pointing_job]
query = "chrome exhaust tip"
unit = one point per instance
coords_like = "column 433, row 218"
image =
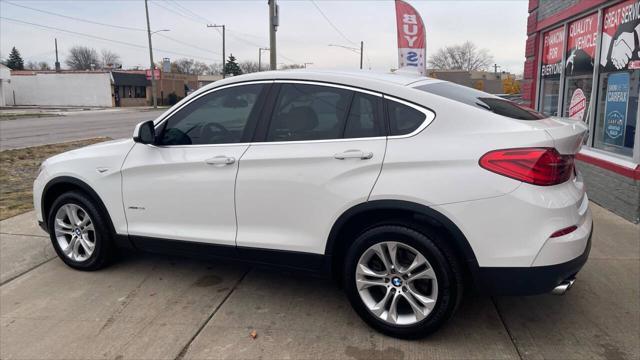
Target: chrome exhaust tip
column 563, row 287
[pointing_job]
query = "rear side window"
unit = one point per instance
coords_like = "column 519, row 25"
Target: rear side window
column 309, row 112
column 364, row 119
column 480, row 99
column 403, row 119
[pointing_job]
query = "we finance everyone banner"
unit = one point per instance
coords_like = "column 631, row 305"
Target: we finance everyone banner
column 552, row 48
column 411, row 39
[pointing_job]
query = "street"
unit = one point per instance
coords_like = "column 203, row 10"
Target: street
column 162, row 307
column 113, row 123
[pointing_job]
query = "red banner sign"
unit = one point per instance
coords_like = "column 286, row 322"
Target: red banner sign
column 411, row 38
column 621, row 28
column 552, row 48
column 583, row 34
column 156, row 73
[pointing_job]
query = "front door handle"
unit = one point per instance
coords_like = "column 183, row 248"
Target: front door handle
column 221, row 160
column 354, row 154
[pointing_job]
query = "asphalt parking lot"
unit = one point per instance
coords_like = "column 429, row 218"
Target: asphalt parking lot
column 161, row 307
column 31, row 131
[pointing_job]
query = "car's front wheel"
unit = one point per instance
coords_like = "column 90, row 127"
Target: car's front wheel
column 79, row 232
column 400, row 282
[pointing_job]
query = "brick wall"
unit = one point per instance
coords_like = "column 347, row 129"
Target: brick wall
column 615, row 192
column 548, row 8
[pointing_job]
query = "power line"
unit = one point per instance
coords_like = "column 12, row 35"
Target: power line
column 188, row 11
column 113, row 26
column 75, row 18
column 331, row 23
column 102, row 38
column 176, row 11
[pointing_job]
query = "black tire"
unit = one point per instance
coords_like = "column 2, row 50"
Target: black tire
column 444, row 263
column 103, row 252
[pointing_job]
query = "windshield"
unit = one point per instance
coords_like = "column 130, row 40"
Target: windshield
column 483, row 100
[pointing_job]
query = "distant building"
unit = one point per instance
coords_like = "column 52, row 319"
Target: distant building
column 491, row 82
column 208, row 79
column 583, row 62
column 6, row 94
column 98, row 88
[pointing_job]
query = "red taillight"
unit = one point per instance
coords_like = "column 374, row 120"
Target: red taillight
column 538, row 166
column 564, row 231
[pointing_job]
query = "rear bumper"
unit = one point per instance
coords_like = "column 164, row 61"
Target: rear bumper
column 529, row 280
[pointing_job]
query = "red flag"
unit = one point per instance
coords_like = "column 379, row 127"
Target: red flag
column 411, row 38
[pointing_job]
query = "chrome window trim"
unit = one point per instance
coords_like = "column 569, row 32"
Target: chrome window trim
column 429, row 117
column 328, row 84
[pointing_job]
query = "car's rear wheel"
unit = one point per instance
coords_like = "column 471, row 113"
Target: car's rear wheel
column 400, row 282
column 79, row 232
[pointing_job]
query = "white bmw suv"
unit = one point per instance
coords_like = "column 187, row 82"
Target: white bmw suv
column 405, row 189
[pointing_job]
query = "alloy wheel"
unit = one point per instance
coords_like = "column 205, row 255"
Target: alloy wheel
column 396, row 283
column 75, row 232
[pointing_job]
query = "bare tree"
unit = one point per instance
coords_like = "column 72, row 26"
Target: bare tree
column 82, row 58
column 200, row 68
column 31, row 65
column 249, row 67
column 461, row 57
column 214, row 69
column 183, row 66
column 109, row 58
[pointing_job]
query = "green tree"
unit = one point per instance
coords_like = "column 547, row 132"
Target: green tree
column 232, row 67
column 15, row 61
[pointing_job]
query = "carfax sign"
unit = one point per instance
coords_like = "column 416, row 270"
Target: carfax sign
column 615, row 113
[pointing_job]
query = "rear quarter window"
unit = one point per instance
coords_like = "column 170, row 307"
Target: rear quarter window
column 480, row 99
column 403, row 119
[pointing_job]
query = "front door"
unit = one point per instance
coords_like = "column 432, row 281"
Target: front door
column 319, row 155
column 183, row 187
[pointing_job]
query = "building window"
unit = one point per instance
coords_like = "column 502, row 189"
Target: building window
column 552, row 48
column 580, row 55
column 617, row 108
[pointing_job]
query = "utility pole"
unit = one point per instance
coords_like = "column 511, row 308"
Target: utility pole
column 223, row 40
column 361, row 52
column 153, row 66
column 273, row 27
column 495, row 68
column 260, row 57
column 57, row 65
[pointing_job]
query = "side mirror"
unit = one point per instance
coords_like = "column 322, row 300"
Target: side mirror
column 145, row 133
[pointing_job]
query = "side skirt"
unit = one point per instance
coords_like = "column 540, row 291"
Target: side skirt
column 314, row 264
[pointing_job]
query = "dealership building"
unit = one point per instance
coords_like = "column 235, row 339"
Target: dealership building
column 583, row 62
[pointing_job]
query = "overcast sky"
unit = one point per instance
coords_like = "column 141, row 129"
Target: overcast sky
column 303, row 36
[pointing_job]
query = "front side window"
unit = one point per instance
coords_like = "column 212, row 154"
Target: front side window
column 219, row 117
column 309, row 112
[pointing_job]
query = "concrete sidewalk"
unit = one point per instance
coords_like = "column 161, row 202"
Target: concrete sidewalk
column 149, row 307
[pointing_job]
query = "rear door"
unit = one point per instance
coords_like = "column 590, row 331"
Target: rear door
column 319, row 152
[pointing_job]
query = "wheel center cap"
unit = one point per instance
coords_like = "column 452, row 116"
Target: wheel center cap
column 77, row 231
column 396, row 281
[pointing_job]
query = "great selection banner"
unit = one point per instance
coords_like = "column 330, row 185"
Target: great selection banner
column 621, row 31
column 411, row 38
column 552, row 49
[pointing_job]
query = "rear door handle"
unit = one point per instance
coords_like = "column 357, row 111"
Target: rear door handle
column 354, row 154
column 220, row 160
